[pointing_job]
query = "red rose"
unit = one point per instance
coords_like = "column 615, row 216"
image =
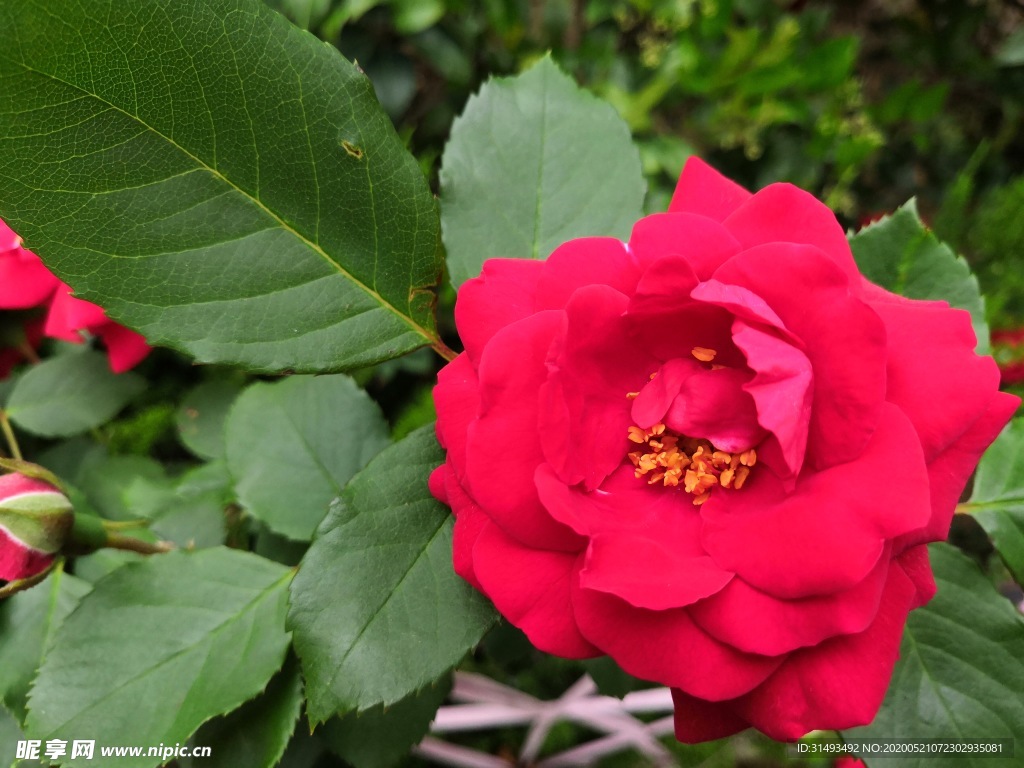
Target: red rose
column 69, row 317
column 714, row 454
column 24, row 281
column 35, row 519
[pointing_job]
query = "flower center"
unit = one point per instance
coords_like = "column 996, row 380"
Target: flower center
column 692, row 464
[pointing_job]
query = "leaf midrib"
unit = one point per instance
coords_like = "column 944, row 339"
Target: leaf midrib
column 383, row 603
column 202, row 165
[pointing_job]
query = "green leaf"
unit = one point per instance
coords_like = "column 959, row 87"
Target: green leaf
column 201, row 418
column 902, row 255
column 216, row 178
column 379, row 737
column 961, row 669
column 28, row 621
column 292, row 446
column 534, row 161
column 161, row 646
column 70, row 394
column 609, row 677
column 10, row 735
column 192, row 511
column 997, row 501
column 255, row 735
column 376, row 610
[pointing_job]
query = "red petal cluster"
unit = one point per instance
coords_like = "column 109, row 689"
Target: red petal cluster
column 779, row 605
column 25, row 283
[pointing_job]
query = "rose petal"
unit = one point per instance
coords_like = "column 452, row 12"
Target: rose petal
column 669, row 325
column 656, row 396
column 457, row 401
column 501, row 295
column 125, row 347
column 838, row 684
column 697, row 720
column 585, row 414
column 647, row 574
column 583, row 262
column 821, row 538
column 916, row 565
column 503, row 447
column 530, row 587
column 623, row 503
column 24, row 281
column 713, row 405
column 469, row 522
column 667, row 647
column 931, row 360
column 703, row 190
column 756, row 622
column 782, row 389
column 703, row 243
column 843, row 338
column 949, row 471
column 782, row 213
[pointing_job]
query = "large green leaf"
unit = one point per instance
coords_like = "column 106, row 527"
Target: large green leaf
column 376, row 609
column 997, row 501
column 901, row 254
column 161, row 646
column 380, row 737
column 961, row 669
column 534, row 161
column 256, row 734
column 69, row 394
column 28, row 621
column 216, row 178
column 292, row 446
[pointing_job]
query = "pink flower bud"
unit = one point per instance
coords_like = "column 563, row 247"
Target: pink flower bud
column 35, row 519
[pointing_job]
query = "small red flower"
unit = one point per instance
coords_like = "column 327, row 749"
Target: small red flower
column 715, row 453
column 69, row 317
column 25, row 282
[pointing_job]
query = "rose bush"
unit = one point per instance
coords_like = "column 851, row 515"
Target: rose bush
column 26, row 283
column 715, row 453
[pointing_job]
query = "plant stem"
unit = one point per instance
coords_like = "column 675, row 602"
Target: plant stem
column 444, row 350
column 12, row 441
column 137, row 545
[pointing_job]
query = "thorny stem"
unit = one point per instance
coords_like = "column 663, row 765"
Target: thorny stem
column 12, row 441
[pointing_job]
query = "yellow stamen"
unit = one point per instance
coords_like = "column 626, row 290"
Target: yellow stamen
column 632, row 395
column 741, row 477
column 637, row 435
column 748, row 458
column 703, row 354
